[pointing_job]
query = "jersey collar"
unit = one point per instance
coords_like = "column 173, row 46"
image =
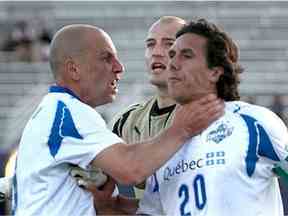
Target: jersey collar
column 156, row 111
column 60, row 89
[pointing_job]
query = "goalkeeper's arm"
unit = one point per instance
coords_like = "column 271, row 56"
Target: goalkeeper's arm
column 102, row 188
column 106, row 204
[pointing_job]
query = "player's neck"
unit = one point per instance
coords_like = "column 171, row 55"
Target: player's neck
column 163, row 100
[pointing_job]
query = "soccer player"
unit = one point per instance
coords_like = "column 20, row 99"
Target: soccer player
column 65, row 130
column 142, row 121
column 229, row 168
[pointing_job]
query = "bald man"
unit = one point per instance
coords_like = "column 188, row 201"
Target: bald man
column 65, row 130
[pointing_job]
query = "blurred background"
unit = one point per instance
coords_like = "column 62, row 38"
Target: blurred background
column 26, row 29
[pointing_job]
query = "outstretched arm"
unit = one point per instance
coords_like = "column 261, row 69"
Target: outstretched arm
column 133, row 163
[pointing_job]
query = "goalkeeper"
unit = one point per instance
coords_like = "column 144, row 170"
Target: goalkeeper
column 142, row 121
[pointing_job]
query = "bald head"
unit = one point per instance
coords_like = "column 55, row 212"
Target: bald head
column 160, row 38
column 168, row 20
column 73, row 41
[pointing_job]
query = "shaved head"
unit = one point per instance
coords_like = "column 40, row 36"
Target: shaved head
column 83, row 58
column 168, row 20
column 160, row 38
column 73, row 41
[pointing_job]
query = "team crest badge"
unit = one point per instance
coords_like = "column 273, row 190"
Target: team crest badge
column 220, row 133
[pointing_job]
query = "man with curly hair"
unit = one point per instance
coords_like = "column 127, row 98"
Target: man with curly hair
column 228, row 169
column 231, row 167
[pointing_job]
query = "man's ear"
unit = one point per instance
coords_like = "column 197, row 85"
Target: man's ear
column 216, row 72
column 72, row 68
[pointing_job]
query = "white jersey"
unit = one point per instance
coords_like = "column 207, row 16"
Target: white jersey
column 224, row 171
column 61, row 133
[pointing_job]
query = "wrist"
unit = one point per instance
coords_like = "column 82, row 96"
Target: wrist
column 180, row 134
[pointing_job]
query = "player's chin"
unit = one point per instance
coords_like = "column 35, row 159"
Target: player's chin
column 158, row 82
column 107, row 99
column 176, row 95
column 111, row 98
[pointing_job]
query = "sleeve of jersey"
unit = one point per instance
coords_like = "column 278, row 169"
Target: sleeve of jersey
column 150, row 204
column 273, row 137
column 273, row 141
column 91, row 136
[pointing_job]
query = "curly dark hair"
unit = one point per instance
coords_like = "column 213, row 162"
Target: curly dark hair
column 221, row 51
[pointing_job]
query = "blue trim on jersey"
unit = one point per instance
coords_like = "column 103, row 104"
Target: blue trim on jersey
column 237, row 109
column 265, row 146
column 156, row 186
column 60, row 89
column 251, row 157
column 258, row 139
column 63, row 125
